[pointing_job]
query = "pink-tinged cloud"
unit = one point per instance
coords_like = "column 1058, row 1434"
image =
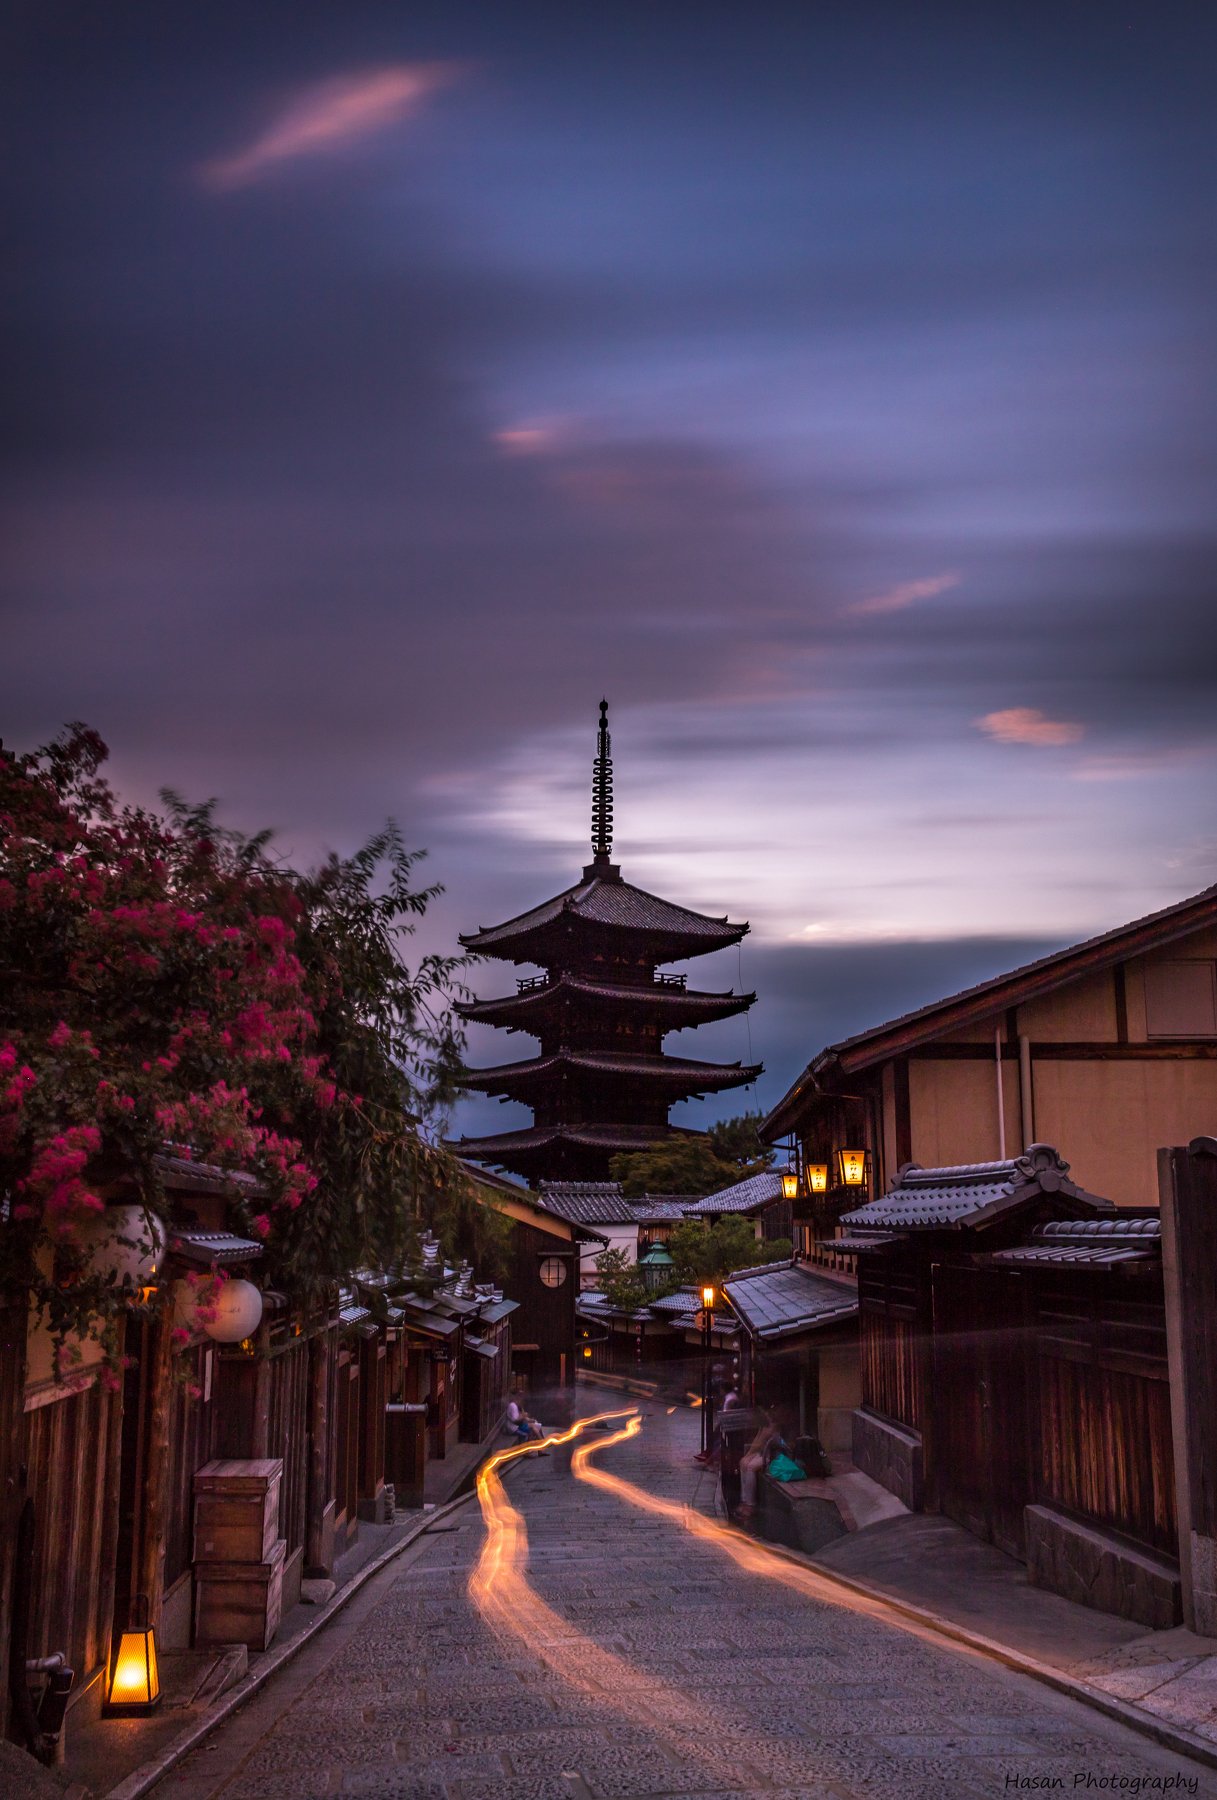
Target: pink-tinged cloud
column 907, row 593
column 330, row 113
column 1027, row 725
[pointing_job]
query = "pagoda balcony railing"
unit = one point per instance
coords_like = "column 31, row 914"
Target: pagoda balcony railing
column 529, row 984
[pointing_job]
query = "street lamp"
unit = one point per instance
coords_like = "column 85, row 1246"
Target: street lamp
column 852, row 1164
column 707, row 1323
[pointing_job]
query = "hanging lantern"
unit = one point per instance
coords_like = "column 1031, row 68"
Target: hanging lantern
column 227, row 1311
column 135, row 1685
column 125, row 1243
column 852, row 1164
column 790, row 1184
column 817, row 1178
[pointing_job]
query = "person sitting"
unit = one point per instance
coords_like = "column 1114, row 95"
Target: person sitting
column 521, row 1425
column 767, row 1439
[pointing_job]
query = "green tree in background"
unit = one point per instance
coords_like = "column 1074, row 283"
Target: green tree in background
column 729, row 1152
column 620, row 1282
column 702, row 1252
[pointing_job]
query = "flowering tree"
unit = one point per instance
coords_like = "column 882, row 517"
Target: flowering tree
column 164, row 982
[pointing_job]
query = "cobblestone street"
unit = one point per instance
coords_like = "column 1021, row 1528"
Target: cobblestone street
column 657, row 1666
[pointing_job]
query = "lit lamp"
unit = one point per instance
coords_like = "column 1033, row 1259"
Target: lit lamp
column 790, row 1184
column 707, row 1298
column 817, row 1178
column 707, row 1326
column 235, row 1313
column 853, row 1167
column 135, row 1686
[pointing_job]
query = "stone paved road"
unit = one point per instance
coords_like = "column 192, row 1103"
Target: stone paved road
column 655, row 1667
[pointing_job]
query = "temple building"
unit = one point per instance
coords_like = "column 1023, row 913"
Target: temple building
column 600, row 1083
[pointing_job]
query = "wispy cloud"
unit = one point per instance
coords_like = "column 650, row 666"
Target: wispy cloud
column 329, row 113
column 906, row 593
column 1027, row 725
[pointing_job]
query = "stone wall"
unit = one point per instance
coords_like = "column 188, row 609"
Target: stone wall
column 1095, row 1569
column 891, row 1456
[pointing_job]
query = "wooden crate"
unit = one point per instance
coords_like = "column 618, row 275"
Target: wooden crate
column 236, row 1510
column 239, row 1602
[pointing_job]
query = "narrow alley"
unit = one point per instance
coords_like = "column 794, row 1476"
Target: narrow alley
column 587, row 1646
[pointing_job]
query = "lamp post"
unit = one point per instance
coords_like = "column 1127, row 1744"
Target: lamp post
column 707, row 1322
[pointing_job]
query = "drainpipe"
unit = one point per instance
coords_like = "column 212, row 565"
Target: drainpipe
column 1001, row 1098
column 1026, row 1093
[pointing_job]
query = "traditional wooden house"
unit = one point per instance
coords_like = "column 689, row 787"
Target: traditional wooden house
column 1015, row 1373
column 799, row 1346
column 1109, row 1047
column 601, row 1084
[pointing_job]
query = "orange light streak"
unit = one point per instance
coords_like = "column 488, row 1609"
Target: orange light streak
column 746, row 1552
column 501, row 1593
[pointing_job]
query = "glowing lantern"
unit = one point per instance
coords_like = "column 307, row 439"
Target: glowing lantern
column 125, row 1242
column 790, row 1184
column 237, row 1310
column 817, row 1178
column 135, row 1686
column 853, row 1167
column 587, row 1350
column 707, row 1298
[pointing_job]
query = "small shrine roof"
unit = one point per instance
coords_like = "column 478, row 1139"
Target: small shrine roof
column 781, row 1300
column 211, row 1249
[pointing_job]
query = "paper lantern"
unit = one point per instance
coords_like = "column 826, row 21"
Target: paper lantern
column 126, row 1243
column 817, row 1178
column 853, row 1167
column 233, row 1312
column 790, row 1184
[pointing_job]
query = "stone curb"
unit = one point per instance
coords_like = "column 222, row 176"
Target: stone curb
column 1171, row 1737
column 141, row 1780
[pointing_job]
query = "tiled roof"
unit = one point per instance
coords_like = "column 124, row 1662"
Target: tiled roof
column 662, row 1000
column 613, row 903
column 677, row 1072
column 784, row 1299
column 587, row 1202
column 506, row 1145
column 212, row 1249
column 183, row 1174
column 1014, row 987
column 745, row 1196
column 1087, row 1243
column 659, row 1209
column 684, row 1301
column 969, row 1193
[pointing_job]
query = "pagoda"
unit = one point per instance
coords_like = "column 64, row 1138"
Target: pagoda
column 600, row 1084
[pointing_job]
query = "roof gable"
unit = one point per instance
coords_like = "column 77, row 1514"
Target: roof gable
column 956, row 1011
column 971, row 1195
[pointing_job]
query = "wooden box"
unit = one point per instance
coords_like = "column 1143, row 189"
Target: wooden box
column 239, row 1602
column 236, row 1511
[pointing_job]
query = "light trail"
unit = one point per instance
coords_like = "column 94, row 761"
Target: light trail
column 746, row 1552
column 500, row 1590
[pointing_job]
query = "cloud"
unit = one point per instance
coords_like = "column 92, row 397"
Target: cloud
column 906, row 593
column 328, row 113
column 1028, row 725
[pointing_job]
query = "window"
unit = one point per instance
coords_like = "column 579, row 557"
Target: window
column 1181, row 999
column 553, row 1271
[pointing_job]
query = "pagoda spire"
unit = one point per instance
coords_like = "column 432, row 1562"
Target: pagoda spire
column 602, row 793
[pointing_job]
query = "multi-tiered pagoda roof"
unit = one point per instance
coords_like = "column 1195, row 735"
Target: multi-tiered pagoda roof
column 600, row 1083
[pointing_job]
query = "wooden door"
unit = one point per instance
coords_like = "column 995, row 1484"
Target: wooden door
column 981, row 1463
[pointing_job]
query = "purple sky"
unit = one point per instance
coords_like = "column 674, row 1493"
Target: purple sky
column 831, row 387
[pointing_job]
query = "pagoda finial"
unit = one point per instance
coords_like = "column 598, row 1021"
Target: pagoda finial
column 602, row 792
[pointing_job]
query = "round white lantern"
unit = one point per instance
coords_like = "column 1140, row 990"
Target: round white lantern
column 235, row 1312
column 126, row 1242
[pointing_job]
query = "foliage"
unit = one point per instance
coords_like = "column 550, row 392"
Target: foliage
column 702, row 1252
column 164, row 982
column 620, row 1281
column 737, row 1141
column 729, row 1152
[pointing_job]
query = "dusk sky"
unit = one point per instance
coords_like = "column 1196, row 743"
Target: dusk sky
column 831, row 387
